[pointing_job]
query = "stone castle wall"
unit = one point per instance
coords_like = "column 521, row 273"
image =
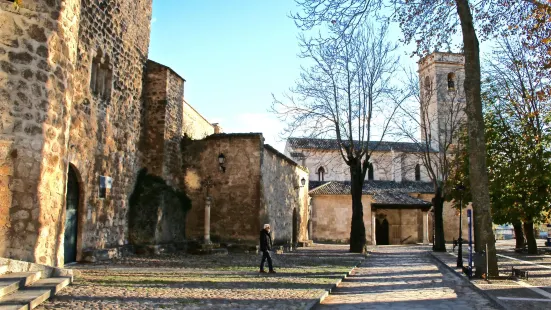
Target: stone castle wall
column 235, row 209
column 38, row 53
column 105, row 127
column 50, row 51
column 283, row 195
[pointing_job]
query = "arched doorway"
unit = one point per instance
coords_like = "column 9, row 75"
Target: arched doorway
column 381, row 232
column 295, row 227
column 71, row 216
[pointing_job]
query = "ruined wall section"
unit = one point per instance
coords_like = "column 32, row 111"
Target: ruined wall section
column 283, row 195
column 195, row 125
column 106, row 116
column 38, row 51
column 172, row 161
column 235, row 210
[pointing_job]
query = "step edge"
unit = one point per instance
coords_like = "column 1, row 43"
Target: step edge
column 27, row 304
column 10, row 288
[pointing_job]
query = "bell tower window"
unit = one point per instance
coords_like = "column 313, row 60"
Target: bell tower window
column 417, row 172
column 321, row 174
column 451, row 81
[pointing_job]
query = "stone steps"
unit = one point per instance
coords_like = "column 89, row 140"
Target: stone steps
column 26, row 290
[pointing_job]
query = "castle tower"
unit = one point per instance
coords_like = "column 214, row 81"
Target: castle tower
column 442, row 97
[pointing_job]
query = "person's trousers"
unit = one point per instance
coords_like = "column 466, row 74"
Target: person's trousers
column 266, row 256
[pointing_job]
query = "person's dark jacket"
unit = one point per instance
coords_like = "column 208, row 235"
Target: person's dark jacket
column 265, row 240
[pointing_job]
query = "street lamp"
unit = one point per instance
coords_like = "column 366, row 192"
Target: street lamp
column 460, row 188
column 303, row 181
column 221, row 161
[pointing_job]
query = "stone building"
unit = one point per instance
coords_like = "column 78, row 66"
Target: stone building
column 397, row 193
column 91, row 151
column 257, row 185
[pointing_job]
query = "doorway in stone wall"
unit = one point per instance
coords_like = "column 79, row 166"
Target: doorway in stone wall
column 295, row 227
column 71, row 216
column 381, row 232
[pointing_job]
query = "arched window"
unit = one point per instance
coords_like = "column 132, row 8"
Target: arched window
column 370, row 172
column 417, row 172
column 451, row 81
column 321, row 174
column 101, row 76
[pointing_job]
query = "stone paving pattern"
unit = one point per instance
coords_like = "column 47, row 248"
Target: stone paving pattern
column 539, row 277
column 395, row 277
column 179, row 281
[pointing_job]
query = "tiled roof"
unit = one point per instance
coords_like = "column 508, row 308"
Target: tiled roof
column 313, row 184
column 332, row 144
column 392, row 198
column 370, row 187
column 297, row 155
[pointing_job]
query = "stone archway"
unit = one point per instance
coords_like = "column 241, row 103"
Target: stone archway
column 382, row 232
column 71, row 216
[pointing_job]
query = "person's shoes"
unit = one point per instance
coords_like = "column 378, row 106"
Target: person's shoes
column 262, row 271
column 272, row 271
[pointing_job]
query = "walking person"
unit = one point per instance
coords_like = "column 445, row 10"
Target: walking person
column 266, row 247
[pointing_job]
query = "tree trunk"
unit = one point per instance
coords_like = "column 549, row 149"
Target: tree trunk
column 478, row 174
column 439, row 244
column 530, row 237
column 519, row 234
column 357, row 230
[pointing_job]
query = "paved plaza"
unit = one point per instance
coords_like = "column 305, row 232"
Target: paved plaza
column 181, row 281
column 400, row 277
column 390, row 277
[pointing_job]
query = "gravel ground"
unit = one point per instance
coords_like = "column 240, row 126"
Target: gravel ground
column 179, row 281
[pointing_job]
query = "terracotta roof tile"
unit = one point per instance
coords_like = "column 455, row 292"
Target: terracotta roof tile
column 370, row 187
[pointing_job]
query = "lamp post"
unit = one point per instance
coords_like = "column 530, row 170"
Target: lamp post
column 460, row 188
column 302, row 181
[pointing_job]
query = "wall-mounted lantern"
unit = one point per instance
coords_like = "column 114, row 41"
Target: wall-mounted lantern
column 302, row 182
column 221, row 161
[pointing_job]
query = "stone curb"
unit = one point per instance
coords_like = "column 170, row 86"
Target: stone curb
column 496, row 302
column 320, row 299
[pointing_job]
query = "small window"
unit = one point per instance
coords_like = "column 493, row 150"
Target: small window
column 321, row 174
column 451, row 81
column 417, row 172
column 427, row 83
column 101, row 77
column 370, row 172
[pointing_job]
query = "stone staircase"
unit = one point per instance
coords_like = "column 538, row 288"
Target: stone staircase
column 26, row 290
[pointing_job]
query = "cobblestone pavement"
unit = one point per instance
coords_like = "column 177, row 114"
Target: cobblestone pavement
column 181, row 281
column 399, row 277
column 531, row 293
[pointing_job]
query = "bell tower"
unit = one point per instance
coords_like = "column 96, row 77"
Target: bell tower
column 442, row 97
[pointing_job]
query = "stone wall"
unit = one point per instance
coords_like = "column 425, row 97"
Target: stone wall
column 195, row 125
column 332, row 215
column 38, row 52
column 70, row 92
column 235, row 209
column 284, row 201
column 105, row 127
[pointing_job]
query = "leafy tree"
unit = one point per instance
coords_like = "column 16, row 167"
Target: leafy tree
column 338, row 96
column 520, row 116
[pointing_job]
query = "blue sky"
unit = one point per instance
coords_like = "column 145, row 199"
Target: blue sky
column 233, row 55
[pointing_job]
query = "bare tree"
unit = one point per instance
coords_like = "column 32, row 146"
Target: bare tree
column 438, row 110
column 342, row 95
column 431, row 24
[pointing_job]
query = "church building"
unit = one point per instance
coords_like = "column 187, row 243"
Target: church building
column 397, row 192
